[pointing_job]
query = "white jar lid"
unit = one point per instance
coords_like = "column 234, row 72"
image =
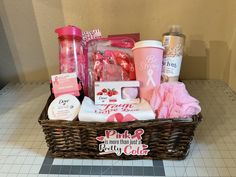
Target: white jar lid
column 64, row 107
column 148, row 43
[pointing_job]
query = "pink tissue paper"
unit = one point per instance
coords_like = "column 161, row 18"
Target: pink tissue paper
column 172, row 100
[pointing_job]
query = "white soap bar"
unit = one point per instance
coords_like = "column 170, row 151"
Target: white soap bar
column 64, row 107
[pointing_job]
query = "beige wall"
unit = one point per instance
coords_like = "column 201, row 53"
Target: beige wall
column 210, row 49
column 231, row 39
column 24, row 40
column 49, row 16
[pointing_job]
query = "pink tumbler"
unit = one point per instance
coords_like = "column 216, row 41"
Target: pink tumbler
column 71, row 56
column 148, row 56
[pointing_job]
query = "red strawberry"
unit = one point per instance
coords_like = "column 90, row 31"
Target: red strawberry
column 114, row 92
column 110, row 93
column 104, row 90
column 99, row 93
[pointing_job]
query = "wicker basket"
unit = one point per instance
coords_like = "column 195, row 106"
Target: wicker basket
column 166, row 138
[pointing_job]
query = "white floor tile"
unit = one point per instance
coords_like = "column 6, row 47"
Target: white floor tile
column 107, row 162
column 180, row 171
column 233, row 154
column 35, row 169
column 15, row 169
column 67, row 162
column 10, row 160
column 206, row 154
column 189, row 162
column 38, row 160
column 229, row 163
column 137, row 162
column 20, row 160
column 232, row 171
column 97, row 162
column 178, row 163
column 223, row 171
column 212, row 171
column 25, row 168
column 29, row 160
column 87, row 162
column 22, row 175
column 11, row 175
column 191, row 171
column 225, row 154
column 147, row 163
column 209, row 162
column 168, row 163
column 201, row 171
column 117, row 162
column 219, row 163
column 5, row 168
column 77, row 161
column 58, row 161
column 170, row 171
column 198, row 162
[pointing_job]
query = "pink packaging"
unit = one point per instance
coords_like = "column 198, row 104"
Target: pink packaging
column 110, row 59
column 87, row 36
column 65, row 84
column 148, row 56
column 117, row 92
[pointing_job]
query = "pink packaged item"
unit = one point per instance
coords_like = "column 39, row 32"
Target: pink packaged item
column 116, row 92
column 90, row 35
column 134, row 36
column 110, row 59
column 65, row 84
column 87, row 36
column 89, row 112
column 172, row 100
column 148, row 57
column 71, row 56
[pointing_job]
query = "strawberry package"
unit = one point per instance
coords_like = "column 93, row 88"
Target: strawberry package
column 110, row 59
column 117, row 92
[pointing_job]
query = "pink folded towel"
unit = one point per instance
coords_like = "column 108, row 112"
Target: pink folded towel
column 172, row 100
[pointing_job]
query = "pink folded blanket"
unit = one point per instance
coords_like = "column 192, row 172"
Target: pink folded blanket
column 172, row 100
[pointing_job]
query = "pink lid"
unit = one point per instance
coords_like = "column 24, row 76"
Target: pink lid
column 69, row 30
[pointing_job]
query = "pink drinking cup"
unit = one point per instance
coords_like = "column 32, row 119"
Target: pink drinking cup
column 148, row 56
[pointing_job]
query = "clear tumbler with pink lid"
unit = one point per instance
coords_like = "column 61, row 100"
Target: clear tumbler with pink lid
column 71, row 58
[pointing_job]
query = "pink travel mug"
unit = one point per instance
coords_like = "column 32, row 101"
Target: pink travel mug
column 148, row 56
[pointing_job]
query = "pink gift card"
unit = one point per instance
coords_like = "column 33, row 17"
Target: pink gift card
column 65, row 84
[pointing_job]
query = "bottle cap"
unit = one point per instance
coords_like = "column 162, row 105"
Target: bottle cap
column 69, row 30
column 175, row 29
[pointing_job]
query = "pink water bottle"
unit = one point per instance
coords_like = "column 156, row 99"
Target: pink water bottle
column 71, row 56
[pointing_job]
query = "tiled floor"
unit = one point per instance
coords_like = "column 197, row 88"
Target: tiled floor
column 23, row 149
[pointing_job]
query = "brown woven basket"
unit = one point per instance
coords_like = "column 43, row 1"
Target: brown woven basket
column 166, row 138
